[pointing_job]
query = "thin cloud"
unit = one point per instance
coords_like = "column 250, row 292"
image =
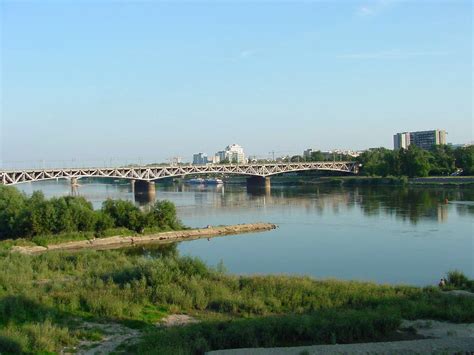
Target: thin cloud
column 246, row 53
column 374, row 8
column 392, row 54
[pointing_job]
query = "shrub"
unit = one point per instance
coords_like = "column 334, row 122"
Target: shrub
column 28, row 217
column 457, row 278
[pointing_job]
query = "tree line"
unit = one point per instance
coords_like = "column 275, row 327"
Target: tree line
column 411, row 162
column 417, row 162
column 26, row 217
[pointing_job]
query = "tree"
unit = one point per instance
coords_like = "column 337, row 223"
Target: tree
column 414, row 161
column 125, row 214
column 82, row 213
column 12, row 204
column 317, row 156
column 465, row 159
column 164, row 215
column 377, row 162
column 102, row 223
column 39, row 216
column 442, row 160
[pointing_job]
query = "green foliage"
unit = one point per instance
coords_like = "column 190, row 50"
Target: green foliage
column 296, row 159
column 465, row 159
column 416, row 162
column 442, row 160
column 12, row 207
column 164, row 213
column 35, row 216
column 323, row 327
column 457, row 280
column 317, row 156
column 375, row 162
column 125, row 214
column 43, row 297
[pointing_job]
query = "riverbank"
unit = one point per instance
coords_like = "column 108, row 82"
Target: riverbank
column 459, row 181
column 115, row 242
column 311, row 179
column 54, row 302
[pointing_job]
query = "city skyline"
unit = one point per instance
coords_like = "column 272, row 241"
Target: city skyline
column 155, row 80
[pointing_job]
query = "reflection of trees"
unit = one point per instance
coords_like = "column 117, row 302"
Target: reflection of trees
column 154, row 250
column 410, row 204
column 407, row 203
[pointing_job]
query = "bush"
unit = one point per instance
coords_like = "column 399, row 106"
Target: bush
column 28, row 217
column 326, row 327
column 457, row 279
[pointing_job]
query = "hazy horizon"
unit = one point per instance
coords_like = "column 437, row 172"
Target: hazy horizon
column 109, row 80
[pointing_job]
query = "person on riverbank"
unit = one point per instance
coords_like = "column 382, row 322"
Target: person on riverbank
column 442, row 283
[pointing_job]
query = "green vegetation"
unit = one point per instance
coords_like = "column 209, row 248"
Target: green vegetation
column 74, row 218
column 324, row 327
column 416, row 162
column 456, row 280
column 44, row 300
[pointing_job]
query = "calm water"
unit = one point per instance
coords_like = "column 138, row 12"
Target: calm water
column 387, row 235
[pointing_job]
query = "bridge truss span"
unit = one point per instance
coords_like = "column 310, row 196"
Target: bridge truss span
column 151, row 173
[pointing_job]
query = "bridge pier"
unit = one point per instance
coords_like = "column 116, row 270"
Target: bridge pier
column 259, row 183
column 74, row 186
column 144, row 191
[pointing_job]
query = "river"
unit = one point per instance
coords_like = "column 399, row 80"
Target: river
column 384, row 234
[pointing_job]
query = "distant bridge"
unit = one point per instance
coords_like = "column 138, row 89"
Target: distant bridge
column 151, row 173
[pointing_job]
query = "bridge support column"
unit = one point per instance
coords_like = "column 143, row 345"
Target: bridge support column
column 132, row 186
column 74, row 186
column 144, row 191
column 259, row 182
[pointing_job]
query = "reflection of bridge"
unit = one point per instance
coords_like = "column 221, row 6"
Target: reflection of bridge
column 258, row 173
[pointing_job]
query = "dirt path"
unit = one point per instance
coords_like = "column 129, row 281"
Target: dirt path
column 174, row 320
column 446, row 338
column 115, row 335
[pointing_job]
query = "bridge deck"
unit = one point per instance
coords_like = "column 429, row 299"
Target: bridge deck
column 150, row 173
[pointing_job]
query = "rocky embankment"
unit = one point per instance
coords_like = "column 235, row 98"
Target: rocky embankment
column 165, row 237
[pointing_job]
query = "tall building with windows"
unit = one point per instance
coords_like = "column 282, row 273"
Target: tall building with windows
column 200, row 159
column 401, row 140
column 421, row 139
column 235, row 154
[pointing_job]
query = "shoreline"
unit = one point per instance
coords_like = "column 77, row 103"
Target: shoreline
column 117, row 242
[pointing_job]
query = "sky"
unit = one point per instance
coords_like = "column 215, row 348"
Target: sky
column 104, row 81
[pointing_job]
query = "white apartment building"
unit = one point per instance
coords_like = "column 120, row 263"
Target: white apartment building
column 235, row 154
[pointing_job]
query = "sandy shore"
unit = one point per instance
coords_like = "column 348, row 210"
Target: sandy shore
column 165, row 237
column 443, row 338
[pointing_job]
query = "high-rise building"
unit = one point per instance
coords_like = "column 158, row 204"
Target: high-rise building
column 220, row 156
column 235, row 154
column 421, row 139
column 401, row 140
column 200, row 159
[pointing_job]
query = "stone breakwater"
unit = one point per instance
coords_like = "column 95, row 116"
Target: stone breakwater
column 165, row 237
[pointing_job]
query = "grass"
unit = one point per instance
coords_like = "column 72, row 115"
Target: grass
column 45, row 299
column 456, row 280
column 328, row 326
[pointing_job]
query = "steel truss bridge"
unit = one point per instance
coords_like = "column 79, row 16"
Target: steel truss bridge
column 151, row 173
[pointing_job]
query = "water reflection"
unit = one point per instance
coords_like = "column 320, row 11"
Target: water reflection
column 411, row 204
column 371, row 233
column 154, row 250
column 407, row 204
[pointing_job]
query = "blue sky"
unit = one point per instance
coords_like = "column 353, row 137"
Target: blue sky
column 95, row 80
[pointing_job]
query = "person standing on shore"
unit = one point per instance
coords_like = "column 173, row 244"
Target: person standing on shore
column 442, row 283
